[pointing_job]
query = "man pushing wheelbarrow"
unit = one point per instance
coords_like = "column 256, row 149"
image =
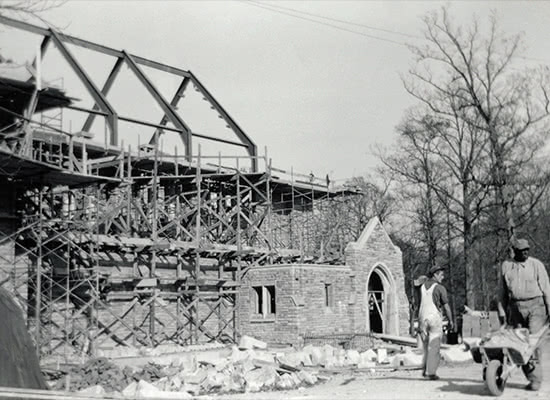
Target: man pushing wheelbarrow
column 524, row 302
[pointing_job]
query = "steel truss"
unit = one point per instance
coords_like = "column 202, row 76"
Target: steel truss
column 113, row 247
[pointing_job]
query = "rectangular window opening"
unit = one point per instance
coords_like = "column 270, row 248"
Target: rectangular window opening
column 270, row 299
column 257, row 299
column 264, row 301
column 329, row 296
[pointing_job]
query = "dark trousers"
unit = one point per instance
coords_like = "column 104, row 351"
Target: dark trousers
column 530, row 314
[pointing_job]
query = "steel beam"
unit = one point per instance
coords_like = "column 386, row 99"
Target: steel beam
column 43, row 48
column 219, row 140
column 166, row 107
column 173, row 103
column 106, row 87
column 103, row 105
column 99, row 98
column 90, row 45
column 251, row 147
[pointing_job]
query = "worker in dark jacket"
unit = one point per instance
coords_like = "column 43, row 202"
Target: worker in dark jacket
column 433, row 303
column 524, row 299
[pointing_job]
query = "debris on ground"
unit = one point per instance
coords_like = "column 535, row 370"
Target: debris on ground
column 101, row 372
column 249, row 367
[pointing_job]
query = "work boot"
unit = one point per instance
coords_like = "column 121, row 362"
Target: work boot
column 432, row 377
column 533, row 386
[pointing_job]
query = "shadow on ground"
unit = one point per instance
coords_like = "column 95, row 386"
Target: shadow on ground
column 473, row 387
column 478, row 389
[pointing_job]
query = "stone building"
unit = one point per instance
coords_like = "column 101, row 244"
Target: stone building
column 282, row 303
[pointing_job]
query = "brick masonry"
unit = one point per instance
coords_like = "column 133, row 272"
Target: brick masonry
column 301, row 305
column 374, row 252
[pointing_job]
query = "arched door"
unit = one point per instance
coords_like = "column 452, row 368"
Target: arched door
column 376, row 303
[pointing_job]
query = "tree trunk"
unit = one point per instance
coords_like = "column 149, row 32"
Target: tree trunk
column 450, row 269
column 503, row 192
column 467, row 259
column 430, row 225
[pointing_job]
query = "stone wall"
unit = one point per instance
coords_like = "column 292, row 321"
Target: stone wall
column 301, row 293
column 315, row 316
column 281, row 327
column 301, row 302
column 375, row 250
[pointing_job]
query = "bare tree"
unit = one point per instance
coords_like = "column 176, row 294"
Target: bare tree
column 375, row 200
column 24, row 9
column 347, row 216
column 477, row 71
column 457, row 152
column 413, row 166
column 485, row 120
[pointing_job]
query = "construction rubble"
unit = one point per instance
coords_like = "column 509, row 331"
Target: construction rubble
column 249, row 367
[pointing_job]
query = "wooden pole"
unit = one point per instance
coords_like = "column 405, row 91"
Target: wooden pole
column 38, row 303
column 197, row 243
column 153, row 267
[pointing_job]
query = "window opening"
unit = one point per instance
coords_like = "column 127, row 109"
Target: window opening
column 264, row 300
column 329, row 296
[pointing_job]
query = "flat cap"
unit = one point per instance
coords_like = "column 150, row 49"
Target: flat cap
column 436, row 268
column 521, row 244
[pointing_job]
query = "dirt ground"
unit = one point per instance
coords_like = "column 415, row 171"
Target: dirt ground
column 457, row 382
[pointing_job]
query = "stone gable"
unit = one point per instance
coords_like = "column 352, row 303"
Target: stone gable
column 315, row 299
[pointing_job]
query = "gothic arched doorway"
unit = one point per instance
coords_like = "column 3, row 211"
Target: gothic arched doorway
column 376, row 300
column 381, row 302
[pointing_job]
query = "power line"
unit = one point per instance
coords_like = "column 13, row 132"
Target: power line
column 339, row 20
column 325, row 24
column 279, row 9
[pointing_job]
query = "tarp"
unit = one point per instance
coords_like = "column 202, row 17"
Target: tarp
column 19, row 365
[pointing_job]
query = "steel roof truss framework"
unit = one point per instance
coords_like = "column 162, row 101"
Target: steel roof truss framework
column 103, row 107
column 169, row 112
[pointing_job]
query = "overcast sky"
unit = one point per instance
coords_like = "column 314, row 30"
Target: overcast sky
column 317, row 94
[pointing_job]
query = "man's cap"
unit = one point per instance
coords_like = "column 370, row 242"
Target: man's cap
column 436, row 268
column 520, row 244
column 420, row 280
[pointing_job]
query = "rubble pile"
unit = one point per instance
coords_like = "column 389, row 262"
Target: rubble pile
column 243, row 371
column 249, row 367
column 100, row 371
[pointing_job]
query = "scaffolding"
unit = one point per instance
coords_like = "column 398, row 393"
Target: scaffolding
column 147, row 259
column 117, row 247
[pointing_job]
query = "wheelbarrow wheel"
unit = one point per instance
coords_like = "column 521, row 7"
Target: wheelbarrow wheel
column 493, row 378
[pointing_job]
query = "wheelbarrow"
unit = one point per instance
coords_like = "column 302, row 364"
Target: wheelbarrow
column 502, row 351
